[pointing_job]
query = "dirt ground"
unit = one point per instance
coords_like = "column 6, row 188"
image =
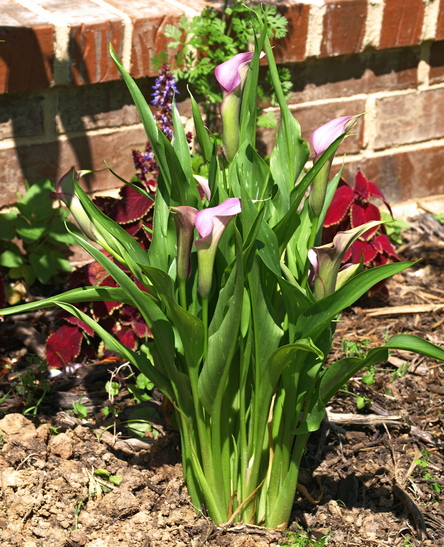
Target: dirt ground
column 376, row 472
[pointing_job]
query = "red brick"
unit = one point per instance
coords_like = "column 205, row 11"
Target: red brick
column 92, row 29
column 436, row 74
column 345, row 76
column 344, row 27
column 292, row 48
column 440, row 26
column 52, row 160
column 402, row 23
column 149, row 20
column 21, row 115
column 404, row 175
column 311, row 117
column 26, row 49
column 413, row 117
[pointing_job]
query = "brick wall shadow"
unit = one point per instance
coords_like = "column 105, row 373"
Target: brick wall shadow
column 29, row 108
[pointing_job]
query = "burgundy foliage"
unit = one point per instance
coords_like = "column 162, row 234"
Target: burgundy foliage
column 351, row 207
column 134, row 212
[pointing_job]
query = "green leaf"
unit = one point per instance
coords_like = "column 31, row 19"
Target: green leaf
column 410, row 342
column 338, row 373
column 29, row 232
column 7, row 225
column 223, row 334
column 189, row 327
column 203, row 138
column 81, row 294
column 316, row 317
column 11, row 257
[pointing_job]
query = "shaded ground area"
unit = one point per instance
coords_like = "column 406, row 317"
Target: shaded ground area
column 377, row 471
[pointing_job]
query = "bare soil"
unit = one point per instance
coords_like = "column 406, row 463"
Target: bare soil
column 376, row 473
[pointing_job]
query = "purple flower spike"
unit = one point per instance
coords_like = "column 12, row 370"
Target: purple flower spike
column 325, row 135
column 210, row 224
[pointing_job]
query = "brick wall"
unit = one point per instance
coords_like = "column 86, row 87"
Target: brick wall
column 62, row 103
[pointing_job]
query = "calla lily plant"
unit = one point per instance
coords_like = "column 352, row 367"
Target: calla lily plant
column 239, row 295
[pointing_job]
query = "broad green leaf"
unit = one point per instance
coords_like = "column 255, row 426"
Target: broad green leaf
column 29, row 232
column 335, row 376
column 173, row 179
column 317, row 316
column 7, row 225
column 409, row 342
column 204, row 140
column 11, row 257
column 181, row 145
column 189, row 327
column 223, row 335
column 81, row 294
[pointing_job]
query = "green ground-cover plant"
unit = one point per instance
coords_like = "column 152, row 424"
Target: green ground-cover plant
column 34, row 243
column 239, row 294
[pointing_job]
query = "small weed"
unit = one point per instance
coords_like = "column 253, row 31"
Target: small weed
column 31, row 385
column 394, row 228
column 424, row 462
column 80, row 410
column 300, row 538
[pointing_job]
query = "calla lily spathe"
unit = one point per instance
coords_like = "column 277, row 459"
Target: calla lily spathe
column 325, row 135
column 326, row 261
column 210, row 224
column 231, row 77
column 65, row 192
column 321, row 139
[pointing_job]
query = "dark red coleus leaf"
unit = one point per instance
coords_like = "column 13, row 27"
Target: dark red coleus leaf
column 361, row 213
column 130, row 316
column 382, row 243
column 360, row 250
column 63, row 346
column 76, row 321
column 125, row 335
column 340, row 205
column 133, row 206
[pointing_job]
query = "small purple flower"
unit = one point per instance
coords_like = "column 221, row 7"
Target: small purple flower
column 164, row 91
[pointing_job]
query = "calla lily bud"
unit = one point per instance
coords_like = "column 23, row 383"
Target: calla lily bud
column 65, row 192
column 321, row 139
column 184, row 218
column 231, row 76
column 210, row 224
column 326, row 260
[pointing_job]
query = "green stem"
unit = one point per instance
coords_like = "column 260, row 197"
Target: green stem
column 311, row 243
column 205, row 324
column 183, row 293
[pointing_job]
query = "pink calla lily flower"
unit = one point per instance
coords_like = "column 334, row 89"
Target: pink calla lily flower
column 321, row 139
column 65, row 192
column 325, row 135
column 233, row 72
column 231, row 76
column 326, row 261
column 210, row 224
